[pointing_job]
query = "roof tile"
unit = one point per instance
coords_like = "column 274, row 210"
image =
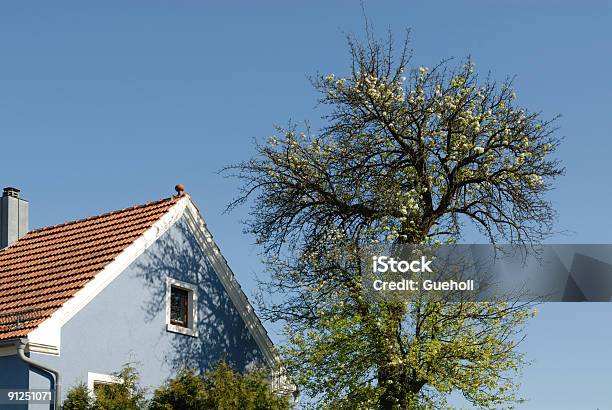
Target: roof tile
column 48, row 266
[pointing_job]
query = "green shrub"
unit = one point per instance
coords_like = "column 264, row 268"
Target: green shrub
column 78, row 398
column 185, row 391
column 221, row 389
column 127, row 395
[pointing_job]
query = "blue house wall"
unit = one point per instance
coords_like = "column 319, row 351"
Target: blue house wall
column 126, row 322
column 13, row 375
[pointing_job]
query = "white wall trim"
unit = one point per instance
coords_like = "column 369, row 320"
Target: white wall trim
column 92, row 378
column 42, row 348
column 197, row 225
column 49, row 332
column 11, row 349
column 192, row 308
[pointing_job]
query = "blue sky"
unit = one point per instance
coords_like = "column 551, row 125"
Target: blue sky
column 108, row 104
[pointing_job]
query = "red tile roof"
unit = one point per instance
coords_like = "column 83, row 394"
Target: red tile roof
column 46, row 267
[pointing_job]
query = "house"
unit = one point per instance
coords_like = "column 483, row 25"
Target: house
column 145, row 284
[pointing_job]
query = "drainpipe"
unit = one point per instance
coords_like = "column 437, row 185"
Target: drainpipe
column 21, row 345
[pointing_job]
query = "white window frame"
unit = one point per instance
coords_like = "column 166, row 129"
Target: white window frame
column 93, row 378
column 192, row 310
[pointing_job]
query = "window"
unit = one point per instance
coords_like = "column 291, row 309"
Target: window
column 178, row 306
column 98, row 381
column 181, row 303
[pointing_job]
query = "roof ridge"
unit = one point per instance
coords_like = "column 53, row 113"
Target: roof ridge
column 159, row 201
column 48, row 266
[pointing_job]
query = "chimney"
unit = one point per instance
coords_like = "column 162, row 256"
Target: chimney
column 13, row 217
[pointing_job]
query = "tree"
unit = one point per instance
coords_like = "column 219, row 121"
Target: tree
column 221, row 388
column 124, row 395
column 78, row 398
column 185, row 391
column 408, row 157
column 127, row 395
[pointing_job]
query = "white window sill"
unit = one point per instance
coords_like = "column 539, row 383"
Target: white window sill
column 182, row 330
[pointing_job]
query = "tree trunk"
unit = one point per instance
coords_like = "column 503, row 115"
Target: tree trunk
column 400, row 390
